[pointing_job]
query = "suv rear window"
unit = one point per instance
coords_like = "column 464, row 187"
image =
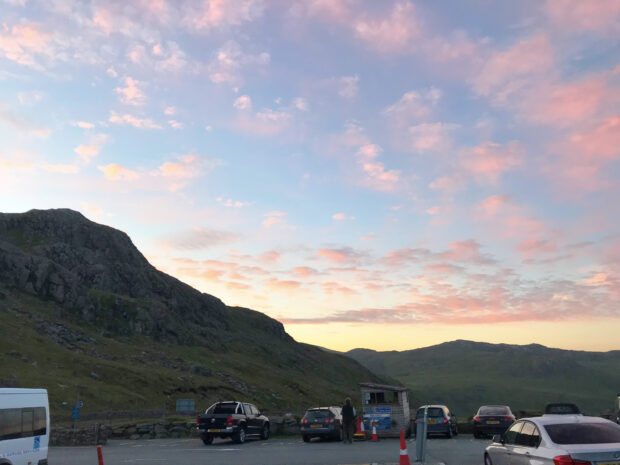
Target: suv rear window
column 432, row 412
column 562, row 409
column 317, row 415
column 223, row 408
column 584, row 433
column 493, row 411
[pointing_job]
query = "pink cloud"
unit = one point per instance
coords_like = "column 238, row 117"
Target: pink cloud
column 376, row 176
column 131, row 94
column 197, row 239
column 506, row 72
column 430, row 137
column 274, row 217
column 534, row 247
column 564, row 104
column 575, row 15
column 87, row 152
column 466, row 251
column 271, row 256
column 136, row 122
column 341, row 255
column 304, row 272
column 394, row 33
column 488, row 161
column 209, row 14
column 229, row 62
column 115, row 172
column 493, row 205
column 22, row 43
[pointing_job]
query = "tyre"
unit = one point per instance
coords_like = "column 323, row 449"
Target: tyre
column 487, row 460
column 207, row 439
column 477, row 435
column 306, row 438
column 456, row 430
column 449, row 434
column 264, row 433
column 239, row 436
column 338, row 435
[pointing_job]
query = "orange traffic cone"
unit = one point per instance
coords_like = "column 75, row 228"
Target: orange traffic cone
column 374, row 432
column 359, row 432
column 404, row 455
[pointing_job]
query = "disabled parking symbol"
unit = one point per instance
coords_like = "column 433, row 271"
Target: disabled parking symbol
column 37, row 443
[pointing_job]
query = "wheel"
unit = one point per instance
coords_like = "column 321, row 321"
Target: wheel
column 306, row 438
column 264, row 434
column 239, row 436
column 449, row 434
column 207, row 439
column 408, row 433
column 487, row 460
column 338, row 435
column 477, row 435
column 456, row 430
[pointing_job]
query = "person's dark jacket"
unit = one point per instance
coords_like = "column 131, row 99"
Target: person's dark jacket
column 347, row 414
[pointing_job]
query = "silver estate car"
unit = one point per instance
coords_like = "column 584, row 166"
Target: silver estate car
column 557, row 440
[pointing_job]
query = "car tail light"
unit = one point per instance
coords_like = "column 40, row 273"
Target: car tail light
column 509, row 418
column 445, row 421
column 197, row 421
column 329, row 420
column 229, row 421
column 304, row 421
column 476, row 418
column 568, row 460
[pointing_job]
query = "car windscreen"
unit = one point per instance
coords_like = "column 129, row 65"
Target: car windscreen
column 494, row 411
column 432, row 412
column 317, row 415
column 556, row 409
column 584, row 433
column 223, row 408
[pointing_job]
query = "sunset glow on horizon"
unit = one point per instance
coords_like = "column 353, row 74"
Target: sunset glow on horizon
column 387, row 175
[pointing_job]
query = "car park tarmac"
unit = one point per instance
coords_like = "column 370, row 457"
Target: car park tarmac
column 463, row 450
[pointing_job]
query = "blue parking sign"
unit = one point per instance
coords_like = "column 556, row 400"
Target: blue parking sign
column 75, row 413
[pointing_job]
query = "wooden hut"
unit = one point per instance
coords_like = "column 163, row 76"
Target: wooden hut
column 388, row 407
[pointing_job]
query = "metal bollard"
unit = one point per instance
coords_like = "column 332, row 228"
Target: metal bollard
column 420, row 438
column 100, row 455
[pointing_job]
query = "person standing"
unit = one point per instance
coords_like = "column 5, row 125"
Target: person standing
column 348, row 420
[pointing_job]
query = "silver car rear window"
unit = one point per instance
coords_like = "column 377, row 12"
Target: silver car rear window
column 584, row 433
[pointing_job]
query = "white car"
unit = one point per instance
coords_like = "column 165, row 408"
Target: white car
column 557, row 440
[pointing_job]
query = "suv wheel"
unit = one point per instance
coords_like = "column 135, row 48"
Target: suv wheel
column 207, row 439
column 239, row 436
column 306, row 438
column 264, row 434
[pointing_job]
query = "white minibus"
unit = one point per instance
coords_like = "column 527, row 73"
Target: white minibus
column 24, row 426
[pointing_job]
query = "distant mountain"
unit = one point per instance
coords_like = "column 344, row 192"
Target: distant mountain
column 81, row 310
column 466, row 374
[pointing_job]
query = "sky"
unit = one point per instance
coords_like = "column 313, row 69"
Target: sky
column 387, row 175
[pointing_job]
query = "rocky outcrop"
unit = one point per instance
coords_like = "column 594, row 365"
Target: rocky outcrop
column 98, row 275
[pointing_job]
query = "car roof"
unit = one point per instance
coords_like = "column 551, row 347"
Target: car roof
column 322, row 408
column 564, row 419
column 432, row 406
column 483, row 406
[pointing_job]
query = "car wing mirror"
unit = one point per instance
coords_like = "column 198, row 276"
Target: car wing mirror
column 498, row 438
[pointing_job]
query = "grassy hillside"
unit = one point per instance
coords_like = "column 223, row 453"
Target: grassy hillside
column 83, row 313
column 138, row 373
column 465, row 375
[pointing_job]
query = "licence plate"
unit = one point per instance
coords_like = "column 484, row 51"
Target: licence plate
column 432, row 422
column 316, row 426
column 607, row 463
column 212, row 430
column 492, row 422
